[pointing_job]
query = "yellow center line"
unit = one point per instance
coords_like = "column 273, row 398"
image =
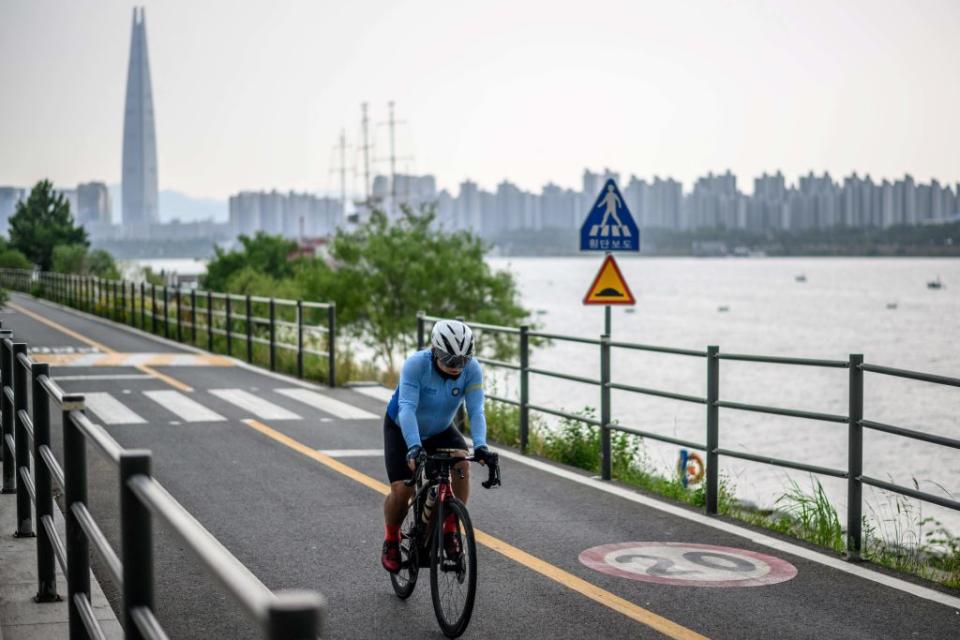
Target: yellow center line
column 173, row 382
column 96, row 345
column 665, row 626
column 62, row 329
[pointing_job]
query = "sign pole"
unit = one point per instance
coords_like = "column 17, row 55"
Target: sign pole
column 607, row 316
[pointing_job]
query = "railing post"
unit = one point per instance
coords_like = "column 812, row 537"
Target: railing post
column 524, row 388
column 136, row 541
column 295, row 615
column 209, row 321
column 713, row 430
column 153, row 308
column 193, row 316
column 421, row 330
column 22, row 455
column 249, row 329
column 123, row 301
column 78, row 547
column 273, row 335
column 606, row 462
column 43, row 507
column 133, row 304
column 166, row 311
column 855, row 460
column 179, row 298
column 229, row 328
column 332, row 345
column 113, row 309
column 6, row 412
column 143, row 305
column 300, row 338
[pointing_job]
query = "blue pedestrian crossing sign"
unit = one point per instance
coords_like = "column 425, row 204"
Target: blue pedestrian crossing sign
column 609, row 225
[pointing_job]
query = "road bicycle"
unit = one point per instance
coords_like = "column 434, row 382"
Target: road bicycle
column 452, row 559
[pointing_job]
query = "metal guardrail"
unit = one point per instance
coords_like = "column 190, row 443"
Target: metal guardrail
column 291, row 615
column 177, row 313
column 854, row 418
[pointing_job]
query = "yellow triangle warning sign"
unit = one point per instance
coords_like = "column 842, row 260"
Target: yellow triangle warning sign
column 609, row 287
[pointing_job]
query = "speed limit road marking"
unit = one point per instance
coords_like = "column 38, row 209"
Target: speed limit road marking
column 688, row 564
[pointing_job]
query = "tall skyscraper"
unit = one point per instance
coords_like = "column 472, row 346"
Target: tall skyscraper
column 139, row 137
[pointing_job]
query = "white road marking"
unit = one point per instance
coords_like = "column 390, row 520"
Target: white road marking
column 327, row 404
column 107, row 376
column 833, row 562
column 110, row 410
column 350, row 453
column 257, row 406
column 376, row 392
column 185, row 407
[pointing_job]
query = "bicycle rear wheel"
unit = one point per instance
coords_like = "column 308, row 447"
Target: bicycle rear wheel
column 405, row 580
column 453, row 577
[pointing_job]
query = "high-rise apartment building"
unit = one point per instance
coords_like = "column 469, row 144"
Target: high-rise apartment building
column 9, row 197
column 291, row 215
column 93, row 203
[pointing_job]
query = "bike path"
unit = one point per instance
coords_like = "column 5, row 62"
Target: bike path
column 298, row 523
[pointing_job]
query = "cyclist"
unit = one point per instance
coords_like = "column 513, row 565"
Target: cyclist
column 433, row 383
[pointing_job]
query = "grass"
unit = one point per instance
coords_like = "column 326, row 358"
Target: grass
column 577, row 443
column 900, row 537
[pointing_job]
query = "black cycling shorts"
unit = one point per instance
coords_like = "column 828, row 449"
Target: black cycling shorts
column 395, row 447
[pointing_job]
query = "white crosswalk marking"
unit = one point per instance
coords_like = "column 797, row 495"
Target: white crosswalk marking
column 110, row 410
column 376, row 392
column 351, row 453
column 327, row 404
column 185, row 407
column 257, row 406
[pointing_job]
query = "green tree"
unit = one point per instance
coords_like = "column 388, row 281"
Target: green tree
column 383, row 273
column 43, row 222
column 78, row 260
column 101, row 264
column 69, row 258
column 265, row 254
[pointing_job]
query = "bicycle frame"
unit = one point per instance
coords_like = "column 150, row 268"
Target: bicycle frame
column 438, row 477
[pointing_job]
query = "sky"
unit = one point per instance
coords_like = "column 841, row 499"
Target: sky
column 253, row 95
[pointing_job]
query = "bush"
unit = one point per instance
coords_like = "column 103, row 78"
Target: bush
column 13, row 259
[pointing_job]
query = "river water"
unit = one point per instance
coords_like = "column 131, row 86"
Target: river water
column 881, row 308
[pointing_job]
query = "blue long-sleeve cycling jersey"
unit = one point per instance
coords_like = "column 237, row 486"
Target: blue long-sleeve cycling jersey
column 425, row 402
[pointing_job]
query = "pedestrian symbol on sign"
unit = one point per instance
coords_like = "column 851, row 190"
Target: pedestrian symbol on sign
column 612, row 202
column 609, row 225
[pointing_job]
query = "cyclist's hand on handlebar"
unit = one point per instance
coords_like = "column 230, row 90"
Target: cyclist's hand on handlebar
column 415, row 456
column 492, row 461
column 482, row 454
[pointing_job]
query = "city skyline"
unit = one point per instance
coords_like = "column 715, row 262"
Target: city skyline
column 519, row 92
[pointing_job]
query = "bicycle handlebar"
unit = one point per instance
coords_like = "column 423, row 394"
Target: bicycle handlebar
column 492, row 463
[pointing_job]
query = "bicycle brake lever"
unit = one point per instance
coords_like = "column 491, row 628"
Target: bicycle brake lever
column 493, row 479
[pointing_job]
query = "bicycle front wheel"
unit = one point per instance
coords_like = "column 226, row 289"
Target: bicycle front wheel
column 453, row 569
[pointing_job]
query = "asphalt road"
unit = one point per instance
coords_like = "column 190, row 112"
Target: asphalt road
column 299, row 523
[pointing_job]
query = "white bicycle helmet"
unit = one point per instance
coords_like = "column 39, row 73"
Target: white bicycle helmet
column 452, row 342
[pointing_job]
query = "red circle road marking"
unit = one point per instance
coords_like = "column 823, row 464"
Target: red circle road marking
column 688, row 564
